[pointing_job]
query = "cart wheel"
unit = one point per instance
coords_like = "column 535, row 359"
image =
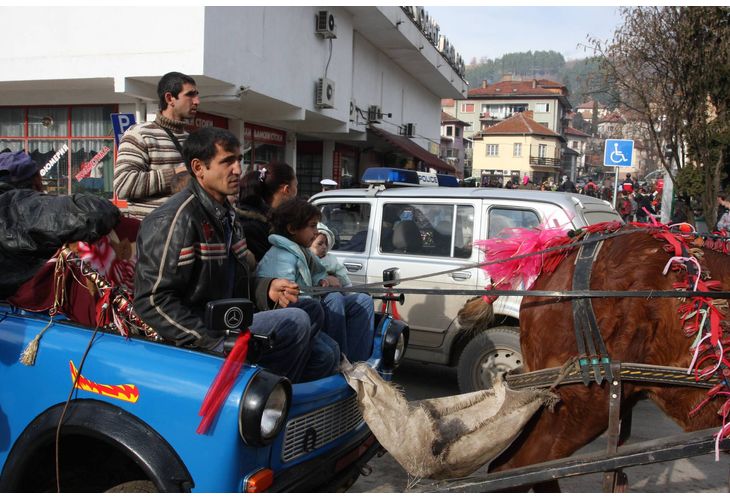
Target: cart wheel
column 489, row 353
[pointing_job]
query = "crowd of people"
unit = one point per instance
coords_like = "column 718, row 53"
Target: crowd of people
column 642, row 199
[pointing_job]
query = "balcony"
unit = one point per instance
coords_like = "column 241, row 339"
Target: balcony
column 542, row 161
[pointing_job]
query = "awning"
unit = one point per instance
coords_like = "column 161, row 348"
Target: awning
column 412, row 149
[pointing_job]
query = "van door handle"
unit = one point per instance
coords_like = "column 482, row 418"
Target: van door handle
column 352, row 266
column 461, row 275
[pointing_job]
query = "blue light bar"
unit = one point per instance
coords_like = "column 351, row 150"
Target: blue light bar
column 447, row 180
column 390, row 176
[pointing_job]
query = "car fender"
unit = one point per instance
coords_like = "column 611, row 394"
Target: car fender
column 109, row 423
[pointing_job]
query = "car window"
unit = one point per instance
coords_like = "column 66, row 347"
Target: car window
column 596, row 217
column 427, row 229
column 349, row 222
column 503, row 218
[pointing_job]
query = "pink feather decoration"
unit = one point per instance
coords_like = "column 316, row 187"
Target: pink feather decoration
column 522, row 272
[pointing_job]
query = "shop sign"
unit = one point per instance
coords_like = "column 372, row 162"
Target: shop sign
column 259, row 134
column 87, row 167
column 207, row 120
column 52, row 162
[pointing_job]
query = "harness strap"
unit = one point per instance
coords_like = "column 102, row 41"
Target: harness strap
column 630, row 372
column 592, row 350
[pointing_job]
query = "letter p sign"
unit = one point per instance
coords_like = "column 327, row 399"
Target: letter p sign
column 120, row 123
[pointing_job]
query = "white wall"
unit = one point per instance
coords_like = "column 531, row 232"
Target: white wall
column 47, row 43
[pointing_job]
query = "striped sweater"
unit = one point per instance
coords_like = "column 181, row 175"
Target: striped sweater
column 146, row 162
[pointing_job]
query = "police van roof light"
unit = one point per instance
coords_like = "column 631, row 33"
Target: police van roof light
column 390, row 176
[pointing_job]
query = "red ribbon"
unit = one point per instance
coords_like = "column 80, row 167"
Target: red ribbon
column 223, row 382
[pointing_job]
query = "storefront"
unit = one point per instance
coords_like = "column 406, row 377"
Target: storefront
column 262, row 145
column 498, row 178
column 73, row 144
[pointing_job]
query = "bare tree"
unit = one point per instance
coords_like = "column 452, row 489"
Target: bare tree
column 671, row 67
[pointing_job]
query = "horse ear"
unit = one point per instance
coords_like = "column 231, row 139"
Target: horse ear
column 476, row 315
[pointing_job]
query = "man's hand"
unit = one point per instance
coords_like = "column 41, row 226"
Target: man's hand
column 283, row 292
column 330, row 281
column 179, row 181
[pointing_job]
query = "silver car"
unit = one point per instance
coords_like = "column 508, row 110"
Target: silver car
column 425, row 230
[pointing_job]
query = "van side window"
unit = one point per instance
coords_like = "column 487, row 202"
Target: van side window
column 349, row 222
column 503, row 218
column 426, row 229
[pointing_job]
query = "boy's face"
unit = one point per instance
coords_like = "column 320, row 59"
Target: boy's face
column 319, row 245
column 306, row 235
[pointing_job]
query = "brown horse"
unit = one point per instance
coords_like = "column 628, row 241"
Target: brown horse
column 638, row 330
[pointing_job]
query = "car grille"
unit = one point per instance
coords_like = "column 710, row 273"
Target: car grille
column 309, row 432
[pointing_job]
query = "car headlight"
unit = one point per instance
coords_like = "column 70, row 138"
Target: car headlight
column 264, row 408
column 395, row 342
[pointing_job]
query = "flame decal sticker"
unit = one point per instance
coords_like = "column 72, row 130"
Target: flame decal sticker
column 125, row 392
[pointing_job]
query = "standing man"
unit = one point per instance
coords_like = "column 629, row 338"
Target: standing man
column 149, row 160
column 192, row 251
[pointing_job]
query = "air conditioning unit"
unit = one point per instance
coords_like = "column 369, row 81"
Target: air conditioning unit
column 326, row 27
column 353, row 111
column 374, row 114
column 325, row 93
column 420, row 14
column 409, row 129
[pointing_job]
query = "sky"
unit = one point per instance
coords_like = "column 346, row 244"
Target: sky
column 494, row 31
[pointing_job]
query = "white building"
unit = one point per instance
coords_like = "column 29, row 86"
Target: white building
column 64, row 70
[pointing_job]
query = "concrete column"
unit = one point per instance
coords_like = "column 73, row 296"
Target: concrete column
column 290, row 150
column 328, row 149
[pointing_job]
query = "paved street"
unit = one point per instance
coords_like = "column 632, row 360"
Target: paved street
column 698, row 474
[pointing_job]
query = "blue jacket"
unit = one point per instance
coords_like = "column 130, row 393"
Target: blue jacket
column 287, row 259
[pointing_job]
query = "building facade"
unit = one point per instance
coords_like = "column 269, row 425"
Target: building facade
column 452, row 142
column 490, row 104
column 291, row 87
column 515, row 148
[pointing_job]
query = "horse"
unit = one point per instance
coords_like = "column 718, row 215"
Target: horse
column 636, row 330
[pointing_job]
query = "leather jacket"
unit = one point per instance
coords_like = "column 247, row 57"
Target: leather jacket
column 183, row 264
column 34, row 225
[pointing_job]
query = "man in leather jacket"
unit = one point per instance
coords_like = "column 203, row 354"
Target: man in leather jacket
column 192, row 250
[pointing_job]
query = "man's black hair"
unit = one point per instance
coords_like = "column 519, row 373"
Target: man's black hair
column 173, row 83
column 296, row 212
column 201, row 144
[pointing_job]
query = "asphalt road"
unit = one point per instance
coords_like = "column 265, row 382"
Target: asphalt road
column 698, row 474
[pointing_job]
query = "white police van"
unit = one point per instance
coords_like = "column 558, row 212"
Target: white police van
column 400, row 221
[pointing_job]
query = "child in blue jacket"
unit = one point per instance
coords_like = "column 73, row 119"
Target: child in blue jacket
column 349, row 319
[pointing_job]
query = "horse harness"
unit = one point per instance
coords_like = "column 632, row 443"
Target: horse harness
column 592, row 351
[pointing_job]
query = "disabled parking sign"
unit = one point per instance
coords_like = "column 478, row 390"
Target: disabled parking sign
column 618, row 153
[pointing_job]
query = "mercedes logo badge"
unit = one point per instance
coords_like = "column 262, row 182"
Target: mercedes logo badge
column 233, row 318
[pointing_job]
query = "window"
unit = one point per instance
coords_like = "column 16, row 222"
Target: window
column 505, row 218
column 517, row 149
column 349, row 223
column 449, row 130
column 427, row 229
column 542, row 150
column 575, row 145
column 467, row 107
column 492, row 149
column 542, row 107
column 73, row 145
column 457, row 132
column 544, row 124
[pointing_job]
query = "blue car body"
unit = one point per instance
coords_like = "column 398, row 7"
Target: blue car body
column 134, row 414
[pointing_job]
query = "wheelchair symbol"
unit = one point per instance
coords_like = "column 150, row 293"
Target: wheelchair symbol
column 616, row 155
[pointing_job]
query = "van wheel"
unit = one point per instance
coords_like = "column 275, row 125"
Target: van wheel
column 489, row 353
column 134, row 487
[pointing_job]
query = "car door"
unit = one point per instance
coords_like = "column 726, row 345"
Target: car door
column 424, row 236
column 350, row 222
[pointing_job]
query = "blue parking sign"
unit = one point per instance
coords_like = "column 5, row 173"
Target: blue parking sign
column 120, row 123
column 618, row 153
